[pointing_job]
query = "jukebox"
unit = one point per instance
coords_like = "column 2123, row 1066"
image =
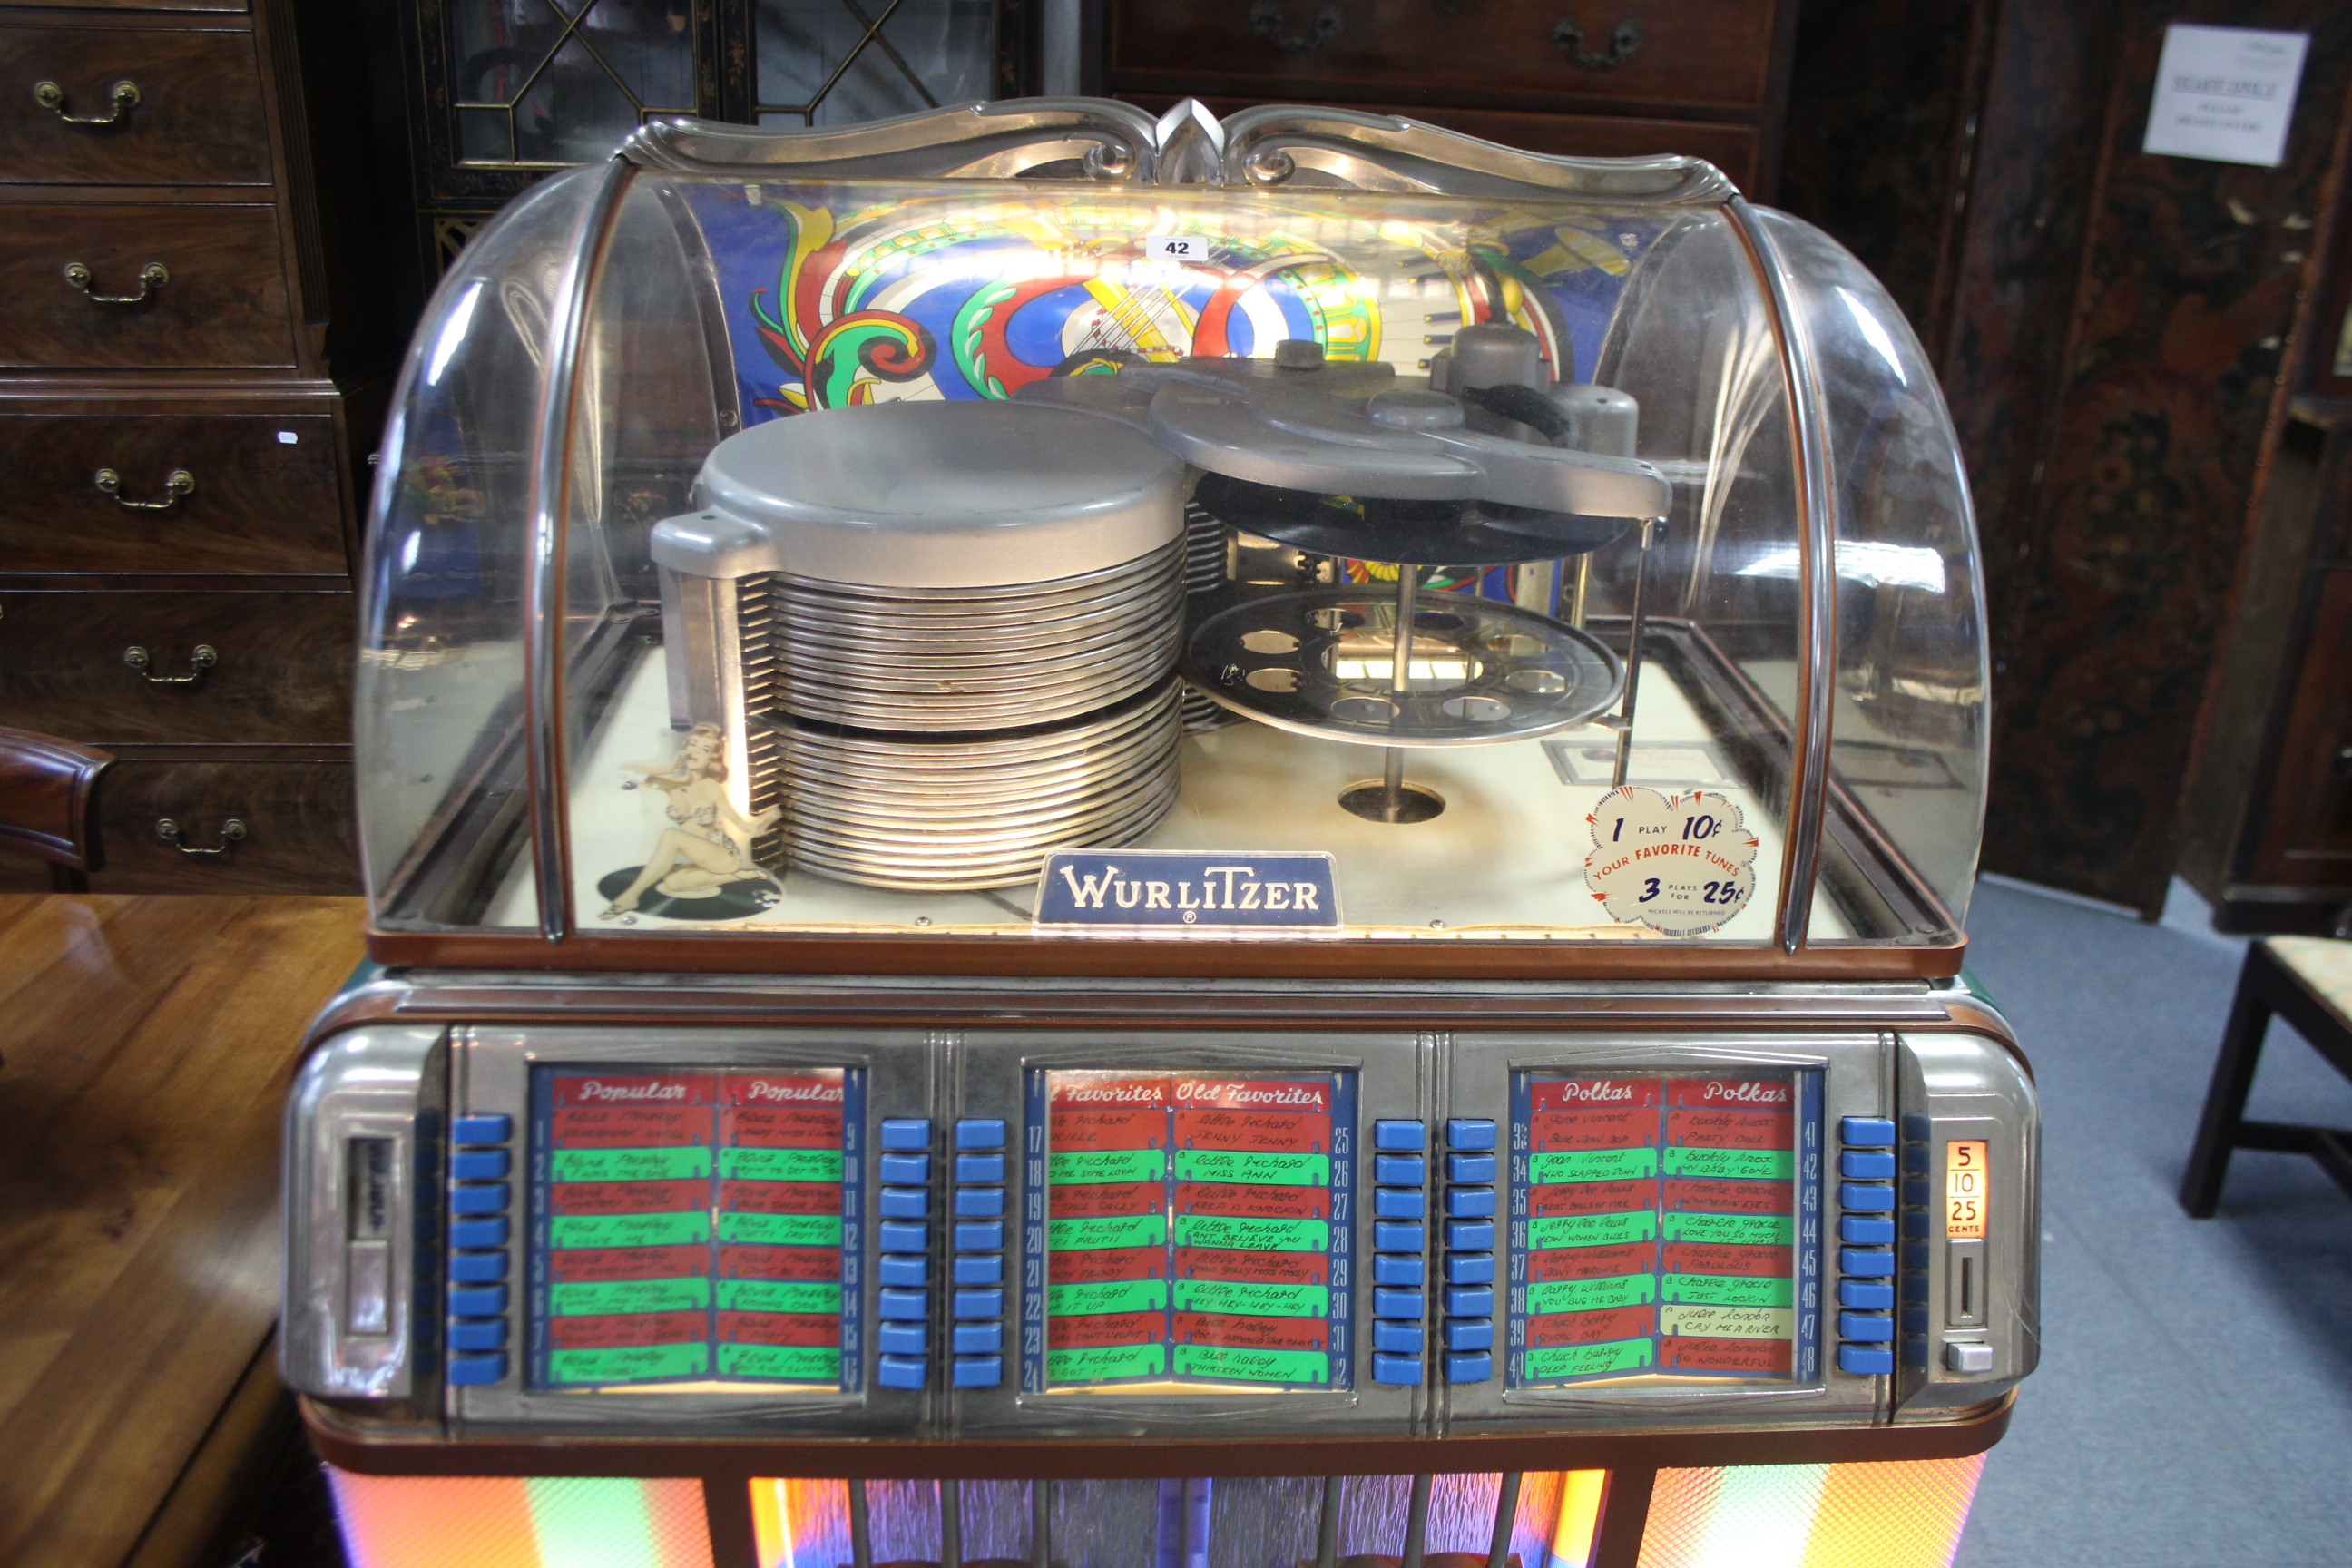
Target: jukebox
column 1129, row 843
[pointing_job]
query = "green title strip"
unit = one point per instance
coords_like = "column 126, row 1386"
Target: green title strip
column 596, row 1298
column 1261, row 1300
column 1733, row 1164
column 637, row 1362
column 1589, row 1361
column 1097, row 1363
column 676, row 1164
column 805, row 1297
column 629, row 1230
column 788, row 1363
column 1107, row 1296
column 1253, row 1235
column 1256, row 1170
column 1247, row 1365
column 1592, row 1165
column 1594, row 1229
column 1592, row 1295
column 781, row 1164
column 1085, row 1166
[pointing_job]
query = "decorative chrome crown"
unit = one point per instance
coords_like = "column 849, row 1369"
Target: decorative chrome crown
column 1102, row 139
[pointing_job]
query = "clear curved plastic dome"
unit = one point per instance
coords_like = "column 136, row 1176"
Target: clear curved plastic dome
column 839, row 696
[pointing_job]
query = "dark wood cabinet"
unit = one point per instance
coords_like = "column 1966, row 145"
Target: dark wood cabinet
column 1706, row 78
column 194, row 357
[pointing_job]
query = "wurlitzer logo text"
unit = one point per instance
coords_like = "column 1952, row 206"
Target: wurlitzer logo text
column 596, row 1089
column 1178, row 888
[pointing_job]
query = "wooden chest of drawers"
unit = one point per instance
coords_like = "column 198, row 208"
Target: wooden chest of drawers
column 1594, row 77
column 188, row 390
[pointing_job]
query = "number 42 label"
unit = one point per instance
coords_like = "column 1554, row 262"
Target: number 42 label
column 1175, row 247
column 1683, row 865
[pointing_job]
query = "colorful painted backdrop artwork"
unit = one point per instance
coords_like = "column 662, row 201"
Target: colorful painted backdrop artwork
column 839, row 295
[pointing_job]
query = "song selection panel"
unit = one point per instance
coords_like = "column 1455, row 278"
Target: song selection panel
column 1188, row 1229
column 695, row 1226
column 1664, row 1225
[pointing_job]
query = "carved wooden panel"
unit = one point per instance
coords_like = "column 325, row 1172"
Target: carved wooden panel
column 198, row 120
column 254, row 502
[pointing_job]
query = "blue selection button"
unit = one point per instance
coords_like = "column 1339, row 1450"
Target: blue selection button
column 1867, row 1164
column 1470, row 1334
column 1866, row 1295
column 979, row 1303
column 496, row 1129
column 979, row 1371
column 478, row 1268
column 1470, row 1132
column 909, row 1270
column 490, row 1197
column 1470, row 1301
column 979, row 1203
column 1476, row 1366
column 913, row 1170
column 1470, row 1202
column 1399, row 1269
column 905, row 1203
column 480, row 1165
column 979, row 1339
column 478, row 1301
column 1868, row 1263
column 979, row 1168
column 1866, row 1361
column 901, row 1236
column 1868, row 1132
column 475, row 1371
column 980, row 1268
column 1404, row 1370
column 1469, row 1167
column 980, row 1132
column 1396, row 1235
column 1400, row 1169
column 1398, row 1304
column 906, row 1132
column 980, row 1235
column 1396, row 1338
column 900, row 1372
column 1397, row 1203
column 479, row 1232
column 903, row 1339
column 1866, row 1197
column 1866, row 1230
column 1400, row 1137
column 904, row 1306
column 1874, row 1328
column 1469, row 1269
column 1470, row 1234
column 481, row 1334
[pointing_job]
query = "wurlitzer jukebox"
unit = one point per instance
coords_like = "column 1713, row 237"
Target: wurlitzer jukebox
column 1126, row 843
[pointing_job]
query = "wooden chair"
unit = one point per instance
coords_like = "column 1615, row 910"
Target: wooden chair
column 48, row 789
column 2307, row 981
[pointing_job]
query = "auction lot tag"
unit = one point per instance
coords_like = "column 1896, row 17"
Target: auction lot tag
column 1188, row 889
column 1682, row 864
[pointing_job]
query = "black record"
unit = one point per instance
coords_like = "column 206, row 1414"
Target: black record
column 1411, row 533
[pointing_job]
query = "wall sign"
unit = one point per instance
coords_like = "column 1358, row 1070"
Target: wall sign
column 2225, row 94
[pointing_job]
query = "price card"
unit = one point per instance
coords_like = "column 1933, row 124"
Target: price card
column 1683, row 865
column 1964, row 1190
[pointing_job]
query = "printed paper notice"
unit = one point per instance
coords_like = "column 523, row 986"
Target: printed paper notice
column 2225, row 94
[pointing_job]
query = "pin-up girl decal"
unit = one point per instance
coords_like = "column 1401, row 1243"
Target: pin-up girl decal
column 703, row 859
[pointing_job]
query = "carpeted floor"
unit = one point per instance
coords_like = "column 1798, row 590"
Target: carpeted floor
column 2194, row 1407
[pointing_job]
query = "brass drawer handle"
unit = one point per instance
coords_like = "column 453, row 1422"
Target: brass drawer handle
column 52, row 97
column 1269, row 21
column 177, row 485
column 231, row 832
column 152, row 277
column 1624, row 43
column 204, row 657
